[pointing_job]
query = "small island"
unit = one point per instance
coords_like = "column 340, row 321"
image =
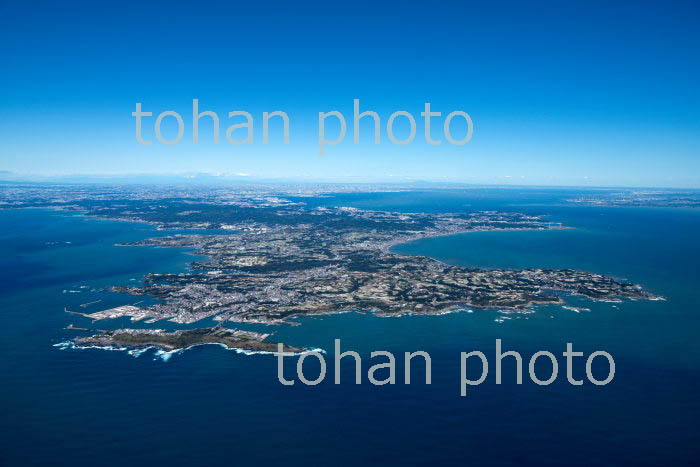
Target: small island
column 183, row 339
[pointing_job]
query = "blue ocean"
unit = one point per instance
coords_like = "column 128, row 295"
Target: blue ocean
column 211, row 406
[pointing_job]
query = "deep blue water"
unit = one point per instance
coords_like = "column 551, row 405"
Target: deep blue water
column 208, row 405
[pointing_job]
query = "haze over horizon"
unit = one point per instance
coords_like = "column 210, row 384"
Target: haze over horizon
column 204, row 179
column 575, row 94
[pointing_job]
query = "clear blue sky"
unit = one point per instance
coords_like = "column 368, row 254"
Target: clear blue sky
column 561, row 93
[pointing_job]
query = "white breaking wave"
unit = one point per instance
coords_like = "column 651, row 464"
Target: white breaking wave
column 72, row 345
column 166, row 355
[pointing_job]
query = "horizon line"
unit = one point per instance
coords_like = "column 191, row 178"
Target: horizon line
column 204, row 178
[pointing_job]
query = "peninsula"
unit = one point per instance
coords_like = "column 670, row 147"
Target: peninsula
column 268, row 256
